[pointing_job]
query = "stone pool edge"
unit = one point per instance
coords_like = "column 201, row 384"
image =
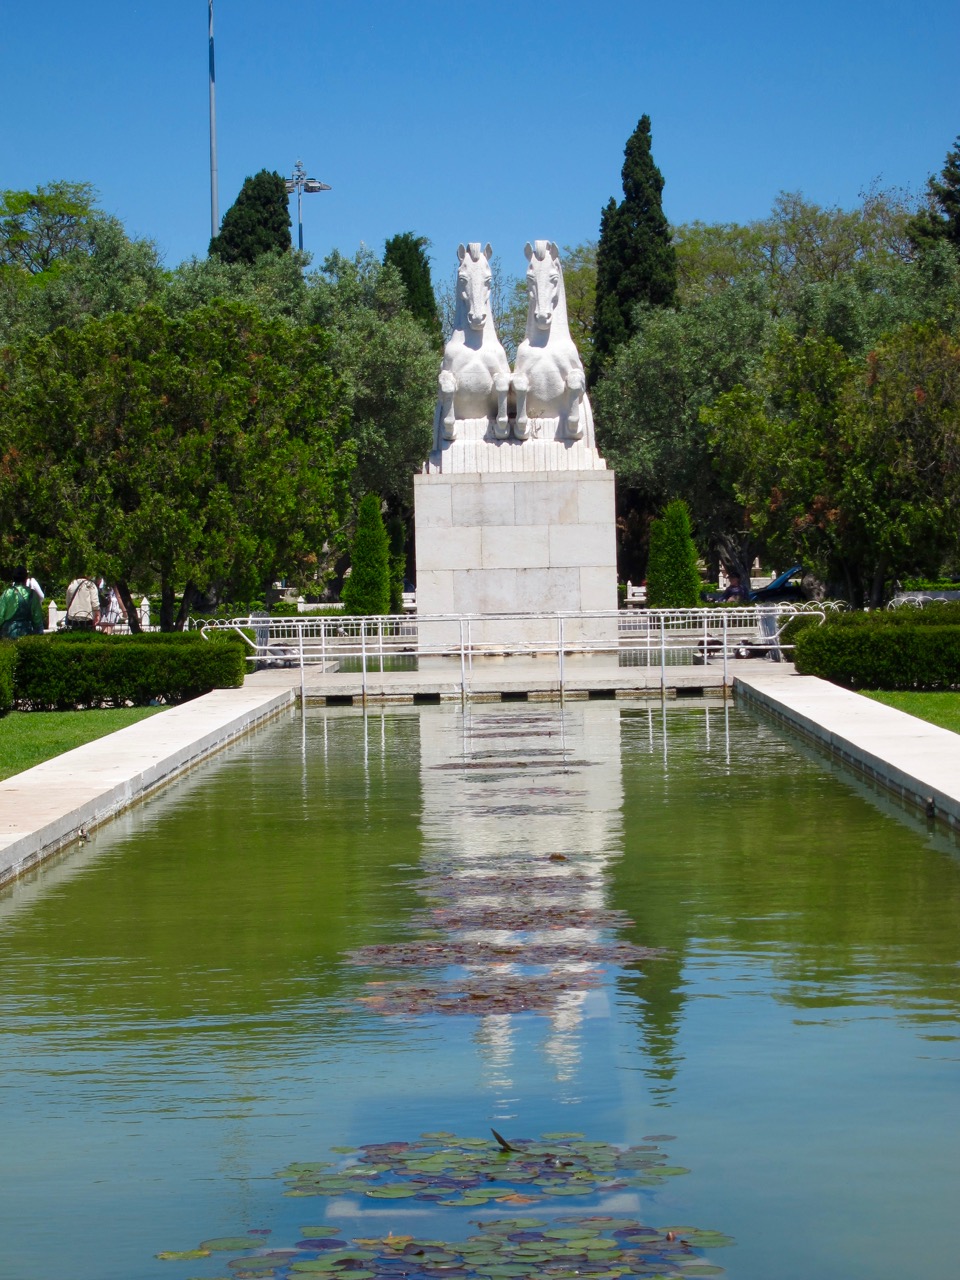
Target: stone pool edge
column 46, row 808
column 918, row 762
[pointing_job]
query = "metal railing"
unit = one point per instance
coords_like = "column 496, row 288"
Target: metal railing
column 652, row 637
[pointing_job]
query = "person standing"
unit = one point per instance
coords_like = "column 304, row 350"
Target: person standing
column 20, row 612
column 113, row 612
column 83, row 605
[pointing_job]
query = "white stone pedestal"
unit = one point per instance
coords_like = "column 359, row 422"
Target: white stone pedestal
column 521, row 542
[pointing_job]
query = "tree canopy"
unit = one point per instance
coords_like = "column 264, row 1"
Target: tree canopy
column 940, row 218
column 205, row 451
column 257, row 222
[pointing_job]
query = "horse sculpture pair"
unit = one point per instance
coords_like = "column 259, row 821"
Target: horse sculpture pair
column 547, row 388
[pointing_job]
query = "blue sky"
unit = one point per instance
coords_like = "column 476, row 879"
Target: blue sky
column 494, row 121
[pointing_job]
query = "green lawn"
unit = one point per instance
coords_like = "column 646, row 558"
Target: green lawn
column 939, row 708
column 29, row 737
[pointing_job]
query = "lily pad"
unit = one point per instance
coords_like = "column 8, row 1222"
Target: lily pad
column 229, row 1244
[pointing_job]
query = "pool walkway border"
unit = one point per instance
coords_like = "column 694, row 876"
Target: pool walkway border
column 50, row 806
column 918, row 762
column 54, row 804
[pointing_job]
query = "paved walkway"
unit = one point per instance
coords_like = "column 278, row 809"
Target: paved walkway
column 918, row 762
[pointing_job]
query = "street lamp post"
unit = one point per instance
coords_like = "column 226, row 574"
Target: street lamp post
column 301, row 183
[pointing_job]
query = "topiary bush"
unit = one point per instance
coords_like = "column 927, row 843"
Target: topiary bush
column 870, row 655
column 673, row 579
column 71, row 672
column 367, row 590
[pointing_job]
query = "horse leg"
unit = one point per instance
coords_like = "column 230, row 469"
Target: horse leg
column 521, row 426
column 502, row 384
column 448, row 388
column 576, row 386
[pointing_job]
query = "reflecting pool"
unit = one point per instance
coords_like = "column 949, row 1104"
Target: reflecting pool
column 634, row 920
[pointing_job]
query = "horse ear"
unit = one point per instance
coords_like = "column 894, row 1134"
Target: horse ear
column 488, row 251
column 553, row 250
column 528, row 250
column 461, row 252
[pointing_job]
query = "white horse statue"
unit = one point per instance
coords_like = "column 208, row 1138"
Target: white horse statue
column 548, row 379
column 475, row 374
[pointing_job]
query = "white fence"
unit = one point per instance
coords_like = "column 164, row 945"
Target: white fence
column 651, row 637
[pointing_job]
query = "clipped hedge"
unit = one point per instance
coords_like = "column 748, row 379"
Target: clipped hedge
column 870, row 655
column 8, row 661
column 59, row 673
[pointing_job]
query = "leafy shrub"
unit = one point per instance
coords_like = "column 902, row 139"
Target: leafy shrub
column 873, row 656
column 673, row 579
column 62, row 673
column 8, row 658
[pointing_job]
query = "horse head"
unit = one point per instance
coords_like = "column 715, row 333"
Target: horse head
column 473, row 286
column 544, row 286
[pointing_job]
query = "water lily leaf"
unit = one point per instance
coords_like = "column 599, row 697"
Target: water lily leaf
column 182, row 1255
column 230, row 1243
column 392, row 1191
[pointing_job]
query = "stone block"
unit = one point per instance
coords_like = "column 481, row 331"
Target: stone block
column 455, row 547
column 550, row 499
column 435, row 591
column 515, row 546
column 582, row 545
column 433, row 503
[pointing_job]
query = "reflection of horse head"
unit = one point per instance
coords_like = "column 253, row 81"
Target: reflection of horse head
column 548, row 380
column 475, row 375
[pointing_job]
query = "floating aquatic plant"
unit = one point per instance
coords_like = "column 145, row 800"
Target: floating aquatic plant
column 467, row 1172
column 563, row 1248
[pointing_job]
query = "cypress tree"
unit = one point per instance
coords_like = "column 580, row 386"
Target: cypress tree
column 407, row 253
column 673, row 579
column 940, row 220
column 635, row 257
column 257, row 222
column 367, row 590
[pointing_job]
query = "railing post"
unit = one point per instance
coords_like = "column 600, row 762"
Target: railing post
column 560, row 650
column 706, row 640
column 463, row 668
column 363, row 662
column 323, row 644
column 724, row 653
column 380, row 641
column 663, row 652
column 303, row 687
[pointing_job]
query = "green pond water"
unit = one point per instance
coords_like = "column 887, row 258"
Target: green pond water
column 180, row 1017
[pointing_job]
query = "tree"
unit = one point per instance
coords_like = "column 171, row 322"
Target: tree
column 940, row 219
column 648, row 406
column 367, row 589
column 257, row 222
column 206, row 451
column 635, row 258
column 673, row 579
column 799, row 244
column 39, row 228
column 62, row 260
column 389, row 370
column 852, row 465
column 406, row 252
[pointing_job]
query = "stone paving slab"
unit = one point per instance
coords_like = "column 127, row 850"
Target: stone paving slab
column 917, row 761
column 48, row 806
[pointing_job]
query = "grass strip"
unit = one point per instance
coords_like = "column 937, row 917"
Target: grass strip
column 942, row 709
column 30, row 737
